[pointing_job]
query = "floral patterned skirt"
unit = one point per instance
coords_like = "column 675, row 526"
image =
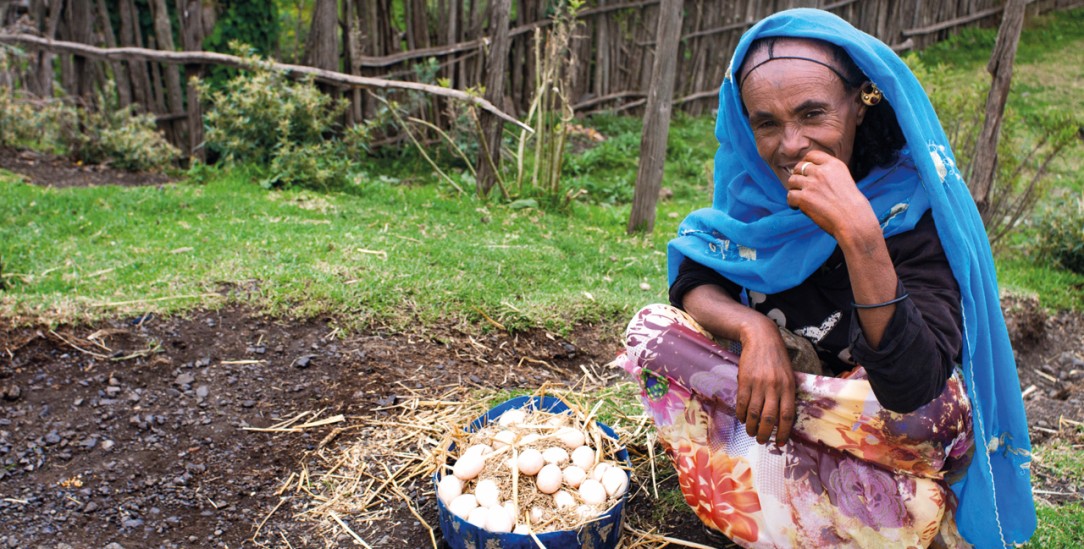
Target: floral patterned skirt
column 852, row 473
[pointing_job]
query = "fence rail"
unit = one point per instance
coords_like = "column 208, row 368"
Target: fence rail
column 614, row 44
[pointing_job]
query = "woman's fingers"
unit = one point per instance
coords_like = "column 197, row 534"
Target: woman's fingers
column 787, row 416
column 769, row 417
column 741, row 405
column 753, row 417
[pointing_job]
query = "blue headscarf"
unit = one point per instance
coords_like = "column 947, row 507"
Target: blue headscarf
column 753, row 238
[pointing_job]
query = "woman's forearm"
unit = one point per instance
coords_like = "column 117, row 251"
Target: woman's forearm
column 873, row 277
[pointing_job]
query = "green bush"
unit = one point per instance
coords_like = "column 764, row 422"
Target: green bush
column 1025, row 148
column 35, row 124
column 1061, row 234
column 312, row 165
column 261, row 117
column 123, row 139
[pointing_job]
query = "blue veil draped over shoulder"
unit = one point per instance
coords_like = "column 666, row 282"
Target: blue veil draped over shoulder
column 753, row 238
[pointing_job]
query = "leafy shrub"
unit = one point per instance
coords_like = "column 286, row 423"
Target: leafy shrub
column 36, row 124
column 262, row 117
column 1025, row 147
column 123, row 139
column 313, row 165
column 1061, row 234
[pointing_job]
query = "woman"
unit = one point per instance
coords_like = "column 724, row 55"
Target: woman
column 838, row 215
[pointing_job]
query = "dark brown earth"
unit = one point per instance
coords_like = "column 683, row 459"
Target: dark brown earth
column 131, row 431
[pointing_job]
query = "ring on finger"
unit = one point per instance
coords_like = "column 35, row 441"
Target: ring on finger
column 805, row 165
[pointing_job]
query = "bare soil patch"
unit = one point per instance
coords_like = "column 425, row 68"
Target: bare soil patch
column 132, row 431
column 49, row 170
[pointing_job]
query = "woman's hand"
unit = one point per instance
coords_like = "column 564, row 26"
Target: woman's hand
column 822, row 187
column 766, row 388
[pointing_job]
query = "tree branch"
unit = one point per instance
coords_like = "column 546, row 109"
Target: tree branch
column 213, row 58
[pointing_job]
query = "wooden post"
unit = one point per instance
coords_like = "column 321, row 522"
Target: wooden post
column 192, row 32
column 120, row 72
column 657, row 117
column 163, row 34
column 984, row 165
column 496, row 65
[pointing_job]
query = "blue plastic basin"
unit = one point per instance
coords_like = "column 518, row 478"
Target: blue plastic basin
column 599, row 534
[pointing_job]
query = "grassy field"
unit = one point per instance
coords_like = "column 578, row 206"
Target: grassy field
column 397, row 248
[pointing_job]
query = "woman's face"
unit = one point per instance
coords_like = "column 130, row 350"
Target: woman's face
column 796, row 106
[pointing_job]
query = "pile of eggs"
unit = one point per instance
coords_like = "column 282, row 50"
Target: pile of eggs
column 532, row 472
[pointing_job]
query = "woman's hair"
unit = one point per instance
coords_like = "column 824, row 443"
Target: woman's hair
column 878, row 139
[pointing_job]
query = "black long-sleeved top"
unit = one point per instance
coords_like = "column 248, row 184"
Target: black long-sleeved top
column 921, row 344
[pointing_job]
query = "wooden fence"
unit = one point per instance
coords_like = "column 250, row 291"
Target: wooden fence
column 613, row 44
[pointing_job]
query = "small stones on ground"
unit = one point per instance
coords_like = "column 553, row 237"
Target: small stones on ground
column 303, row 361
column 184, row 379
column 11, row 393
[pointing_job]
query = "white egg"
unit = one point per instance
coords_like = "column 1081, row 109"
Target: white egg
column 573, row 476
column 522, row 529
column 548, row 479
column 512, row 417
column 530, row 462
column 563, row 499
column 592, row 492
column 571, row 437
column 468, row 466
column 599, row 471
column 537, row 515
column 510, row 506
column 503, row 438
column 463, row 505
column 586, row 512
column 500, row 520
column 449, row 488
column 584, row 457
column 488, row 493
column 555, row 455
column 615, row 480
column 529, row 439
column 478, row 517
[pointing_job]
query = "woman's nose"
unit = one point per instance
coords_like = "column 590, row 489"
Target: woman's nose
column 794, row 142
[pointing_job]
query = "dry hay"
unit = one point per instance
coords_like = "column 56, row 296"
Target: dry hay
column 381, row 465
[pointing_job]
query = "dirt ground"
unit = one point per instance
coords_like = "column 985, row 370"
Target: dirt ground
column 134, row 432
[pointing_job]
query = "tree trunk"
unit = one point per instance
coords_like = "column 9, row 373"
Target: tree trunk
column 78, row 78
column 174, row 98
column 120, row 72
column 322, row 45
column 984, row 166
column 192, row 34
column 496, row 66
column 657, row 118
column 130, row 37
column 46, row 15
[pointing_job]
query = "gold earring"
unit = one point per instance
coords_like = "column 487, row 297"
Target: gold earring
column 871, row 95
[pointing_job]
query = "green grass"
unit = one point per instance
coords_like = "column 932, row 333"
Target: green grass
column 1059, row 526
column 387, row 253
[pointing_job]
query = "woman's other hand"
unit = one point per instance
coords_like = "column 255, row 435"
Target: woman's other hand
column 821, row 187
column 766, row 387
